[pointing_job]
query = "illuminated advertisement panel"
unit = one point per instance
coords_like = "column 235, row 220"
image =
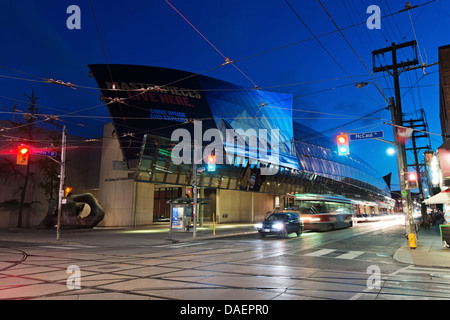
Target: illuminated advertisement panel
column 151, row 100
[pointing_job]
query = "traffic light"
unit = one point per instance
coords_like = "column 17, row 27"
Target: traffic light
column 23, row 153
column 211, row 165
column 343, row 147
column 67, row 191
column 411, row 178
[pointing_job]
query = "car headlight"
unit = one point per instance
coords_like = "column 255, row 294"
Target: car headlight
column 278, row 226
column 258, row 226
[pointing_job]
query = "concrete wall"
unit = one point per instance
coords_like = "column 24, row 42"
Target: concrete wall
column 239, row 206
column 125, row 202
column 144, row 202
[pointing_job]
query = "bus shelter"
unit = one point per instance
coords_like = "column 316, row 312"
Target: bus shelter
column 181, row 209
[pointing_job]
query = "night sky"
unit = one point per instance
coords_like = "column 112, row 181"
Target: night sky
column 284, row 46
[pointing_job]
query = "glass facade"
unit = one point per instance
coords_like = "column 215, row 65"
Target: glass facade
column 308, row 161
column 317, row 154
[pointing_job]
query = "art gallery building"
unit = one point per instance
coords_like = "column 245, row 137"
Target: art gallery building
column 139, row 175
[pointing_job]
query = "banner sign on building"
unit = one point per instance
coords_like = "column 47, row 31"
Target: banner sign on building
column 150, row 100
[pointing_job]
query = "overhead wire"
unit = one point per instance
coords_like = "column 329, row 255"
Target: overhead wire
column 227, row 60
column 325, row 49
column 346, row 40
column 204, row 37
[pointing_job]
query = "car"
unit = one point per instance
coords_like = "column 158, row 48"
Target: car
column 281, row 224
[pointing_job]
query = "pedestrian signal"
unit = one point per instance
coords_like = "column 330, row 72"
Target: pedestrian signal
column 411, row 180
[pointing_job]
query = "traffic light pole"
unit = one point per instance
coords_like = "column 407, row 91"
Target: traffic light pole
column 61, row 181
column 397, row 120
column 402, row 171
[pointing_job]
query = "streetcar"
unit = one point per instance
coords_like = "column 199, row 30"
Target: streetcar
column 324, row 212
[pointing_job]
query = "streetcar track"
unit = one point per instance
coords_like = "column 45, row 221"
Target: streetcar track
column 15, row 263
column 166, row 276
column 393, row 285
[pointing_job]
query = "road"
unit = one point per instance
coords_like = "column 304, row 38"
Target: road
column 349, row 264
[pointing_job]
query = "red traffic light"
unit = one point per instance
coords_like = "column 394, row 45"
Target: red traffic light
column 22, row 155
column 67, row 191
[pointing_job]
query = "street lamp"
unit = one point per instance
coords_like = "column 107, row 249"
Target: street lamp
column 361, row 85
column 390, row 151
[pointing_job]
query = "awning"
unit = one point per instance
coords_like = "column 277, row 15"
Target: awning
column 441, row 197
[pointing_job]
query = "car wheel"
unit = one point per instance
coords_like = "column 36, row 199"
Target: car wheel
column 262, row 235
column 299, row 232
column 284, row 234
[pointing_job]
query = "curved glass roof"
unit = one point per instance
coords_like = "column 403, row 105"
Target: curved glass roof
column 317, row 154
column 158, row 100
column 300, row 146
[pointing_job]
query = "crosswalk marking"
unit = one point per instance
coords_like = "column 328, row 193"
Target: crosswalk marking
column 180, row 245
column 350, row 255
column 69, row 247
column 320, row 252
column 57, row 247
column 433, row 273
column 324, row 252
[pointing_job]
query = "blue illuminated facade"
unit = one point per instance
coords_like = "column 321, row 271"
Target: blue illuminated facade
column 151, row 102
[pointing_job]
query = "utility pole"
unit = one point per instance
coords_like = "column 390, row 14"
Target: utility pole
column 397, row 119
column 61, row 180
column 423, row 133
column 402, row 171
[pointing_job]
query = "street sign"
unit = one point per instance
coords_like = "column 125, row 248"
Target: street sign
column 366, row 135
column 44, row 152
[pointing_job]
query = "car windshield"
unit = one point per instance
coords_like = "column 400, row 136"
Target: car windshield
column 275, row 217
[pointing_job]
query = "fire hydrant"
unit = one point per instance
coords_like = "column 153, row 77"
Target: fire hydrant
column 412, row 241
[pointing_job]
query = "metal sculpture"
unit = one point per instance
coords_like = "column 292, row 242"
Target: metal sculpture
column 71, row 210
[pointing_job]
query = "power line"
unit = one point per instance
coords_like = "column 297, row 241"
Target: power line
column 324, row 48
column 227, row 60
column 346, row 40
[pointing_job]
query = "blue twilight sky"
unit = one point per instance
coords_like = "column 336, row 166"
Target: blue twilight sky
column 271, row 41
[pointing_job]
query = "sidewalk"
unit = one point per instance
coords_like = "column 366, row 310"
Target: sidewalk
column 157, row 233
column 429, row 251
